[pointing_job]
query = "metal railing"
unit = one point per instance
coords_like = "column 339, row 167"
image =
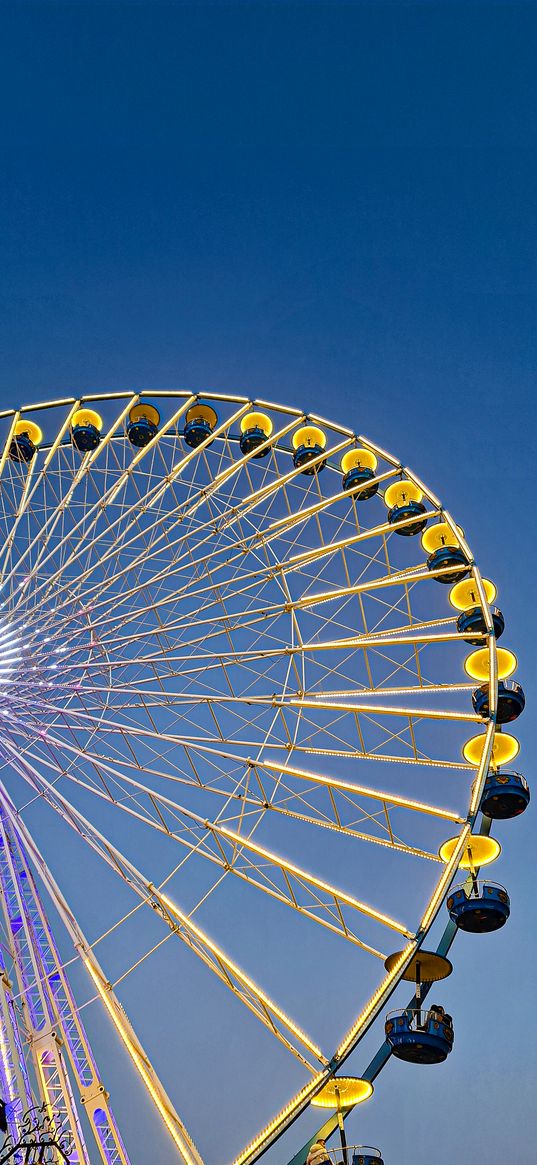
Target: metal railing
column 354, row 1152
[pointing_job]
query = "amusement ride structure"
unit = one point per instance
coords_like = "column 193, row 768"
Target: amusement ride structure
column 261, row 642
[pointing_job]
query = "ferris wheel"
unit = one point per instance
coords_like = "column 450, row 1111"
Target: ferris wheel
column 249, row 676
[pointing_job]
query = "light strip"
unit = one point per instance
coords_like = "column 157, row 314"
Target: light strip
column 241, row 976
column 140, row 1065
column 317, row 882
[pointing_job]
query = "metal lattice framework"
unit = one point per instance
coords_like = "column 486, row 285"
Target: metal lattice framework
column 251, row 664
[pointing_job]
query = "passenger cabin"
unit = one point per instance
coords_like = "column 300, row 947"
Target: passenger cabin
column 142, row 425
column 86, row 428
column 256, row 429
column 309, row 443
column 479, row 907
column 405, row 508
column 201, row 420
column 25, row 440
column 358, row 467
column 441, row 544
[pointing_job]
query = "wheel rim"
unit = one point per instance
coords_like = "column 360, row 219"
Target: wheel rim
column 235, row 591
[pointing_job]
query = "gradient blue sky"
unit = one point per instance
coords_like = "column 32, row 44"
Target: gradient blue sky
column 330, row 205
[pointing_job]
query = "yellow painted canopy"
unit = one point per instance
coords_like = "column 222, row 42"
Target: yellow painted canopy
column 429, row 966
column 480, row 851
column 351, row 1091
column 201, row 412
column 464, row 594
column 144, row 412
column 476, row 664
column 87, row 417
column 400, row 492
column 309, row 435
column 358, row 458
column 257, row 421
column 30, row 429
column 439, row 535
column 504, row 749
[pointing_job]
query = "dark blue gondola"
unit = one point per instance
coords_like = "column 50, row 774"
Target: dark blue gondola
column 142, row 425
column 472, row 621
column 359, row 467
column 442, row 545
column 359, row 476
column 251, row 440
column 86, row 430
column 86, row 438
column 21, row 448
column 26, row 437
column 200, row 422
column 402, row 513
column 366, row 1155
column 511, row 701
column 480, row 909
column 451, row 556
column 505, row 795
column 256, row 428
column 420, row 1036
column 309, row 443
column 404, row 501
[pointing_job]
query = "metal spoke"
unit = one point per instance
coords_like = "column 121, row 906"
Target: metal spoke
column 242, row 985
column 202, row 631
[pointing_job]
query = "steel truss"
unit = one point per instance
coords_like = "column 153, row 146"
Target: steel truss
column 230, row 655
column 46, row 1018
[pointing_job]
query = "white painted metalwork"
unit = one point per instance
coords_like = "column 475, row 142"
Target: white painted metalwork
column 254, row 665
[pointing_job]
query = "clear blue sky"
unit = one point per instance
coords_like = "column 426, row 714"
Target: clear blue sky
column 331, row 205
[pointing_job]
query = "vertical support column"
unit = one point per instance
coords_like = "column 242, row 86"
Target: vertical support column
column 154, row 1087
column 341, row 1124
column 92, row 1092
column 40, row 1013
column 418, row 991
column 16, row 1089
